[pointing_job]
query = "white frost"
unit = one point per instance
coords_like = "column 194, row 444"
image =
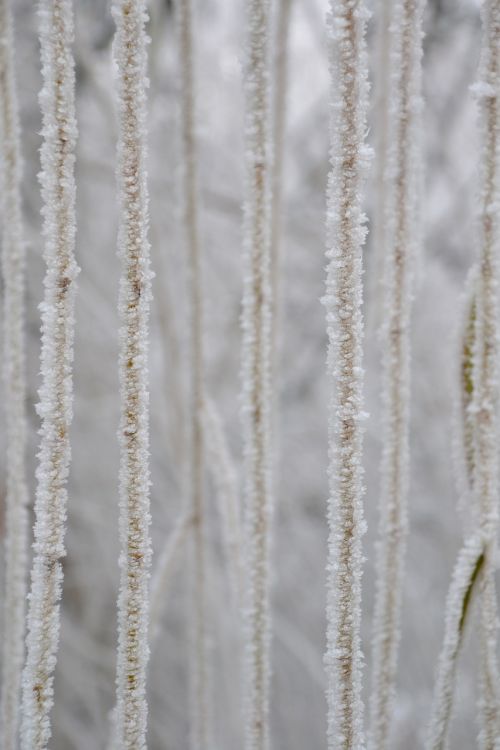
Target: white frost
column 256, row 321
column 57, row 100
column 345, row 237
column 129, row 48
column 464, row 574
column 401, row 237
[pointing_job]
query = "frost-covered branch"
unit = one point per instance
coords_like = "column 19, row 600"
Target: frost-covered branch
column 13, row 261
column 401, row 236
column 345, row 236
column 467, row 569
column 257, row 314
column 485, row 364
column 129, row 49
column 57, row 100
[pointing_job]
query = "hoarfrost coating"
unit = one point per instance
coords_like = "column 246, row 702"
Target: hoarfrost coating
column 401, row 237
column 57, row 101
column 129, row 49
column 256, row 353
column 346, row 233
column 84, row 684
column 467, row 567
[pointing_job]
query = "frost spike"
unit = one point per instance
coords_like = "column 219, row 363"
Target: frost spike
column 129, row 50
column 402, row 182
column 256, row 322
column 345, row 236
column 57, row 100
column 13, row 262
column 485, row 363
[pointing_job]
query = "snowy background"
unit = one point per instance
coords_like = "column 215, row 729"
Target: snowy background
column 84, row 689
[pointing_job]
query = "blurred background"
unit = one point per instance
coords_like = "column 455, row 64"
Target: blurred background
column 84, row 689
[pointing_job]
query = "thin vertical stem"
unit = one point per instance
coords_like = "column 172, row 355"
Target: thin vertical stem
column 257, row 316
column 485, row 367
column 279, row 100
column 57, row 100
column 129, row 49
column 402, row 233
column 343, row 299
column 200, row 732
column 382, row 86
column 13, row 262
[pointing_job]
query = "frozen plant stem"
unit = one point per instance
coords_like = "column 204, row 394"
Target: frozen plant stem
column 384, row 10
column 13, row 260
column 465, row 417
column 279, row 98
column 200, row 727
column 129, row 49
column 401, row 237
column 257, row 314
column 485, row 367
column 57, row 100
column 467, row 570
column 345, row 236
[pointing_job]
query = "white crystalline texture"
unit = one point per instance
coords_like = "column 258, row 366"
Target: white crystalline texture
column 479, row 414
column 402, row 201
column 256, row 324
column 462, row 581
column 58, row 193
column 345, row 237
column 13, row 261
column 129, row 50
